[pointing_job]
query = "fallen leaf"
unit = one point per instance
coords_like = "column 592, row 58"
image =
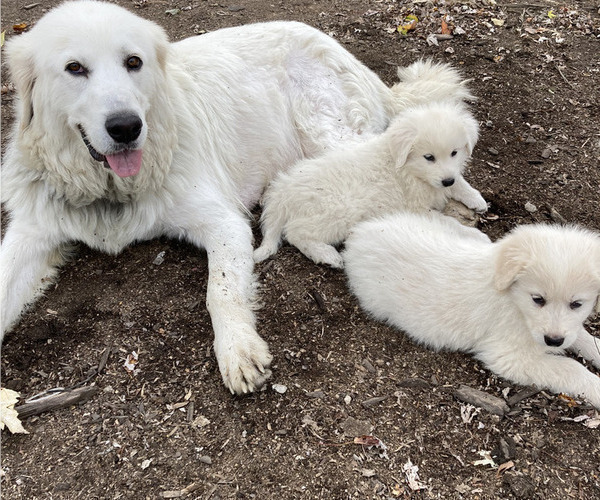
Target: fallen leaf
column 131, row 361
column 497, row 22
column 411, row 472
column 367, row 440
column 8, row 414
column 487, row 459
column 445, row 29
column 504, row 467
column 551, row 14
column 2, row 38
column 409, row 24
column 20, row 27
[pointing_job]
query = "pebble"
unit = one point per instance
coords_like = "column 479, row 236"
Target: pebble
column 530, row 207
column 281, row 389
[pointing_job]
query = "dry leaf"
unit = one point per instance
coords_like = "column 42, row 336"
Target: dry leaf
column 20, row 27
column 445, row 29
column 8, row 414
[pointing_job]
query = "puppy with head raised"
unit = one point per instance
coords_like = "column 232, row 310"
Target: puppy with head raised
column 516, row 304
column 416, row 165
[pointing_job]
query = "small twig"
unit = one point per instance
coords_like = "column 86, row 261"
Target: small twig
column 563, row 76
column 56, row 401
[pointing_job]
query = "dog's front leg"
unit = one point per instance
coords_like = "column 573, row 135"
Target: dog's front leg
column 462, row 191
column 243, row 357
column 28, row 260
column 588, row 347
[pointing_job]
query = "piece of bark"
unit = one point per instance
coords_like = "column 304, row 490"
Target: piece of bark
column 482, row 399
column 56, row 401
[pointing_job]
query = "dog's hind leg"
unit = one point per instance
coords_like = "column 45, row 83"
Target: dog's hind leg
column 588, row 347
column 318, row 252
column 268, row 247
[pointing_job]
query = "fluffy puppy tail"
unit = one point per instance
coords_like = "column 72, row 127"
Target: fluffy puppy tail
column 272, row 222
column 426, row 81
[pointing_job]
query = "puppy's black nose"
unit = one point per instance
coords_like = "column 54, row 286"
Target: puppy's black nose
column 124, row 128
column 448, row 182
column 553, row 341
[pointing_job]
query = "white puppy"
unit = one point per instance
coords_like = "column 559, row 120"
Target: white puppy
column 121, row 136
column 416, row 165
column 516, row 304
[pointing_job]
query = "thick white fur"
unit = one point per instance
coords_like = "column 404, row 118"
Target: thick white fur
column 317, row 202
column 426, row 81
column 221, row 114
column 448, row 290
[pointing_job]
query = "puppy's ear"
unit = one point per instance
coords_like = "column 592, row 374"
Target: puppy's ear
column 21, row 66
column 512, row 259
column 471, row 130
column 401, row 136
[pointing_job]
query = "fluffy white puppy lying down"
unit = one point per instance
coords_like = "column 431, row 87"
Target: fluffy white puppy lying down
column 516, row 304
column 416, row 165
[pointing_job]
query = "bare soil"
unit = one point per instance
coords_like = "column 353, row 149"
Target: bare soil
column 171, row 429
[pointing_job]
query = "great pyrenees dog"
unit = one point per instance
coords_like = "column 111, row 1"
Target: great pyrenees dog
column 415, row 165
column 516, row 304
column 121, row 136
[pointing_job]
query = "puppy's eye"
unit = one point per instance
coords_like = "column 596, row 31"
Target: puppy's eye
column 76, row 68
column 539, row 300
column 429, row 157
column 454, row 153
column 133, row 62
column 576, row 304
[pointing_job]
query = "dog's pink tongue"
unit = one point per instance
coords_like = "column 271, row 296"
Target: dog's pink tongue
column 126, row 163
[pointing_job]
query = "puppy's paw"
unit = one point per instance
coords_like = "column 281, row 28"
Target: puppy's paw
column 321, row 253
column 244, row 361
column 263, row 252
column 477, row 203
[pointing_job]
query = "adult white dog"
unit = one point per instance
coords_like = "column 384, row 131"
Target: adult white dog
column 515, row 304
column 416, row 165
column 121, row 136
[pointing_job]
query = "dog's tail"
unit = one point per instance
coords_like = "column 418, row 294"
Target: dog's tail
column 272, row 222
column 426, row 81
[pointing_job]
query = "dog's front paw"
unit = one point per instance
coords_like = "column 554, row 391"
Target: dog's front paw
column 244, row 361
column 477, row 203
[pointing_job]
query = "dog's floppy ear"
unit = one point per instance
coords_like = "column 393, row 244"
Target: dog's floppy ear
column 401, row 136
column 471, row 131
column 512, row 258
column 21, row 66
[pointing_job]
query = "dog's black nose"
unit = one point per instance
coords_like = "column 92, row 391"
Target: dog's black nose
column 124, row 128
column 553, row 341
column 448, row 182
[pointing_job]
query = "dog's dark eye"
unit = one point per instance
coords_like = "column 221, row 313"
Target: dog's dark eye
column 539, row 300
column 133, row 62
column 429, row 157
column 453, row 153
column 76, row 68
column 576, row 304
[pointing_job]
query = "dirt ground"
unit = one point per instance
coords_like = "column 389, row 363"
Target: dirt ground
column 172, row 430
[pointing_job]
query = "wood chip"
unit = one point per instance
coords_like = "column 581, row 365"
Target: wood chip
column 482, row 399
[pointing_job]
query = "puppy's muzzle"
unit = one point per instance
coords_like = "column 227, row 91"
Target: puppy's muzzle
column 553, row 341
column 448, row 182
column 124, row 128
